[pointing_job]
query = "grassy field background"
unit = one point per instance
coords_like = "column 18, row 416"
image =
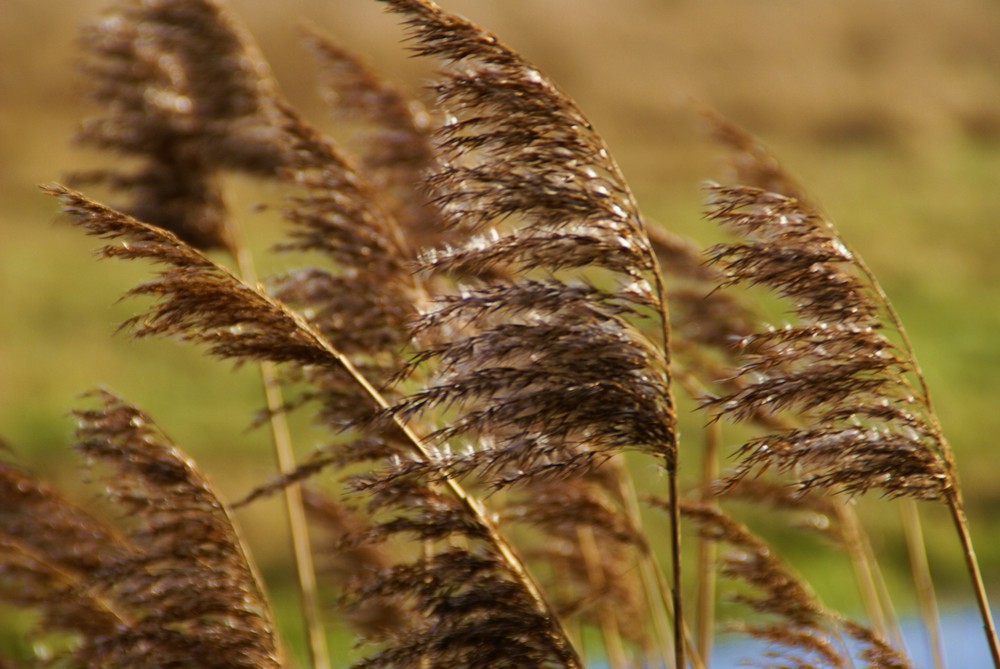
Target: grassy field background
column 888, row 111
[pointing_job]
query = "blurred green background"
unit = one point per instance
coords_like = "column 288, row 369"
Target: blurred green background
column 888, row 111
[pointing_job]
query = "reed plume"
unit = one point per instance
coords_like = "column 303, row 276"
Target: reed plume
column 391, row 138
column 869, row 428
column 185, row 93
column 198, row 299
column 517, row 149
column 865, row 411
column 50, row 550
column 799, row 629
column 753, row 164
column 365, row 302
column 541, row 370
column 173, row 586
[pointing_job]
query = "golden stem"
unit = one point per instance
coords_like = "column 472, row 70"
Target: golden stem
column 962, row 526
column 305, row 570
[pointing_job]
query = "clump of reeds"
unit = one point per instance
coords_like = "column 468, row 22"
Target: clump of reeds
column 483, row 328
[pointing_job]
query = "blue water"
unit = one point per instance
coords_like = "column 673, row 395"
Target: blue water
column 962, row 633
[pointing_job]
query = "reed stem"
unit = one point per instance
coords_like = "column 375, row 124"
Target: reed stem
column 657, row 594
column 924, row 584
column 865, row 573
column 305, row 570
column 962, row 527
column 610, row 631
column 673, row 495
column 707, row 549
column 298, row 526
